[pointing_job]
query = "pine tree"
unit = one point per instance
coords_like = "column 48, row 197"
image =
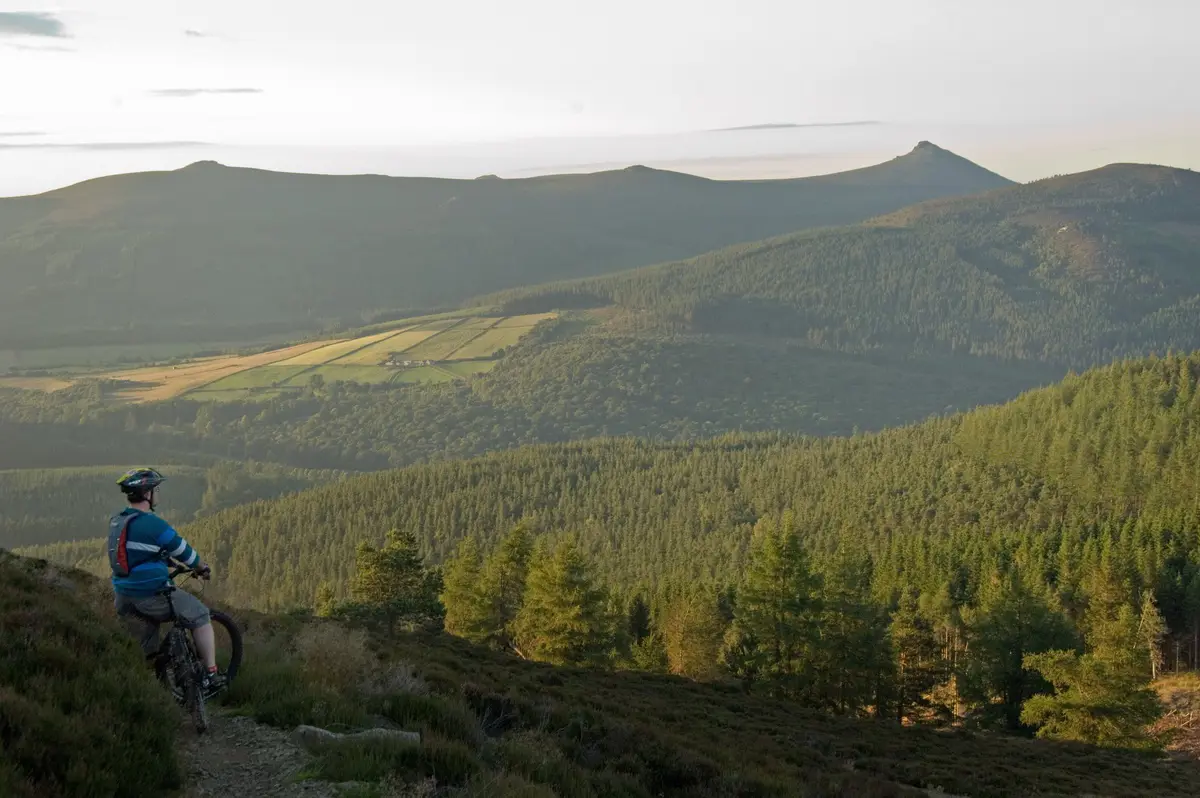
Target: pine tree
column 638, row 619
column 1152, row 629
column 564, row 618
column 649, row 654
column 853, row 649
column 1101, row 697
column 777, row 606
column 467, row 609
column 502, row 586
column 1014, row 620
column 391, row 583
column 325, row 601
column 919, row 666
column 692, row 632
column 740, row 656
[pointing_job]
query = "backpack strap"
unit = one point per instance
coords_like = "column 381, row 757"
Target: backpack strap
column 118, row 539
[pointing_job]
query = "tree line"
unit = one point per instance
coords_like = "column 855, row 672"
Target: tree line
column 789, row 628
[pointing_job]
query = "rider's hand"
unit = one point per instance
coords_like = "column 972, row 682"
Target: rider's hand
column 204, row 571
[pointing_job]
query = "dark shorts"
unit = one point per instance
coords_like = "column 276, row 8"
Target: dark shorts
column 137, row 614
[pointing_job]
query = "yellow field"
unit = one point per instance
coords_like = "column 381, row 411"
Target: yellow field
column 167, row 382
column 376, row 353
column 491, row 340
column 332, row 351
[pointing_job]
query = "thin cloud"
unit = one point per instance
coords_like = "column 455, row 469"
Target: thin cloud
column 198, row 92
column 39, row 48
column 106, row 145
column 790, row 125
column 196, row 34
column 12, row 134
column 32, row 23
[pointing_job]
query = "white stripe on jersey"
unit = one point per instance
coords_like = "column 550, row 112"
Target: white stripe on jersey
column 143, row 546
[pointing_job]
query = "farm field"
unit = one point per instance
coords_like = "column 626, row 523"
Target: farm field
column 442, row 346
column 332, row 351
column 262, row 377
column 458, row 348
column 467, row 368
column 378, row 352
column 490, row 341
column 422, row 374
column 112, row 356
column 332, row 372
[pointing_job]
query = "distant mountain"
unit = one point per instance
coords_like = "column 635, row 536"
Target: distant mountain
column 216, row 253
column 1070, row 271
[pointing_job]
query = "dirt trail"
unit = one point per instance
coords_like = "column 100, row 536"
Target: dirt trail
column 238, row 757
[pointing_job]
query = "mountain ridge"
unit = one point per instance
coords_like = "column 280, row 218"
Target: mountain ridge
column 1071, row 271
column 310, row 250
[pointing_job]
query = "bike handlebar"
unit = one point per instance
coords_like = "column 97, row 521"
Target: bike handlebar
column 179, row 570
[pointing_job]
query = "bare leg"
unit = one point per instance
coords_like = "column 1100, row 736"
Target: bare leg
column 206, row 644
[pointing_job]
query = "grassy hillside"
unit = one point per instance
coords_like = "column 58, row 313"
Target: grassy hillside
column 214, row 253
column 494, row 725
column 80, row 716
column 491, row 724
column 1071, row 271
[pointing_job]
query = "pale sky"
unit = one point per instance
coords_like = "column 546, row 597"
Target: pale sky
column 375, row 73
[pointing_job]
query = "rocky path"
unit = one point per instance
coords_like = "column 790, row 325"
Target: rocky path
column 238, row 757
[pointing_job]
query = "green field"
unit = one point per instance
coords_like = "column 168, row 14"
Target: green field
column 467, row 368
column 261, row 377
column 490, row 341
column 333, row 372
column 421, row 374
column 335, row 350
column 377, row 352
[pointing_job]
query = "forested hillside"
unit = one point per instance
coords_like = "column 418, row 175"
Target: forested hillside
column 210, row 253
column 1071, row 271
column 60, row 504
column 1103, row 466
column 996, row 568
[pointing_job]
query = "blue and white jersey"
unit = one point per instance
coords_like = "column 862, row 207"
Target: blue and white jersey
column 149, row 543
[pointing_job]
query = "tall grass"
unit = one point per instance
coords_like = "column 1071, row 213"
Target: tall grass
column 493, row 725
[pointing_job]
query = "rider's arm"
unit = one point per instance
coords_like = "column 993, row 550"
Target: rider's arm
column 176, row 548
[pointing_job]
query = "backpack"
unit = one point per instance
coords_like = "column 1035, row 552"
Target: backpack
column 118, row 536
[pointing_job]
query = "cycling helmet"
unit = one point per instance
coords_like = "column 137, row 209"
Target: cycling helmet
column 137, row 483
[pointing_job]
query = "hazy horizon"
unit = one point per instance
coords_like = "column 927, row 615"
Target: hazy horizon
column 1019, row 154
column 1025, row 88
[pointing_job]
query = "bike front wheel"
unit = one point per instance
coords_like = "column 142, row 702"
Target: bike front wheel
column 229, row 644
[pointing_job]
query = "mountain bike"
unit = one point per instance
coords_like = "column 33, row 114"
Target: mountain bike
column 179, row 667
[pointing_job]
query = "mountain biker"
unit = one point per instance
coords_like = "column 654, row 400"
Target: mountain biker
column 140, row 544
